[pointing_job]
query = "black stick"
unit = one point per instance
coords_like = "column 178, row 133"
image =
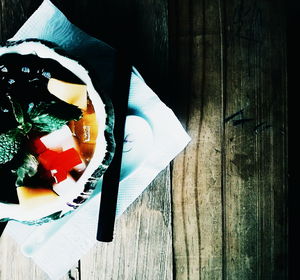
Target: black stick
column 111, row 178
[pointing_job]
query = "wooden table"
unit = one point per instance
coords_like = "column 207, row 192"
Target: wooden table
column 219, row 211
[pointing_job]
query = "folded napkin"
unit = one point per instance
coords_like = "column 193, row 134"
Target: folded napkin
column 57, row 246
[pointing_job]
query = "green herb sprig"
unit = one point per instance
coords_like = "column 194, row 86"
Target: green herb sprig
column 41, row 116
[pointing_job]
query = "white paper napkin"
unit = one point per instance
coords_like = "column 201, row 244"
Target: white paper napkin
column 57, row 246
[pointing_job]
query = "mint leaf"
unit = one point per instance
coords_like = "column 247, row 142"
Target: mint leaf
column 28, row 168
column 47, row 123
column 10, row 143
column 48, row 117
column 43, row 116
column 64, row 111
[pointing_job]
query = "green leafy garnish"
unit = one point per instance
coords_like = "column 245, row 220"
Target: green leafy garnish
column 10, row 143
column 48, row 117
column 46, row 123
column 28, row 168
column 42, row 116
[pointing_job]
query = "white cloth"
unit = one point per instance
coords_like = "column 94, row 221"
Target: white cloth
column 57, row 246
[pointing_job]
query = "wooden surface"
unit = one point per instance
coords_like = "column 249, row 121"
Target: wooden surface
column 219, row 211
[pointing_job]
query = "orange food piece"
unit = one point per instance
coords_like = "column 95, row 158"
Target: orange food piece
column 35, row 197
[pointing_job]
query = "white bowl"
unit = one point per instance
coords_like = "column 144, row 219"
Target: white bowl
column 104, row 144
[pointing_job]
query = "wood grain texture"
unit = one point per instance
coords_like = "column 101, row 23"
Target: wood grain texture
column 221, row 65
column 142, row 246
column 255, row 167
column 14, row 265
column 197, row 174
column 229, row 187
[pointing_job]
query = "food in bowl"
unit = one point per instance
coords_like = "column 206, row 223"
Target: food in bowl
column 56, row 134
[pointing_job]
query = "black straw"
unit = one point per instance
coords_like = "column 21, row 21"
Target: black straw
column 111, row 178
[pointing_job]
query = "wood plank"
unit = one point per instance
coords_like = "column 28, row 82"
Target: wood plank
column 255, row 156
column 142, row 246
column 229, row 187
column 11, row 18
column 197, row 179
column 14, row 265
column 254, row 185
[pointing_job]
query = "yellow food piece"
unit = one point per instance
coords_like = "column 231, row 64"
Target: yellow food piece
column 75, row 94
column 86, row 129
column 35, row 197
